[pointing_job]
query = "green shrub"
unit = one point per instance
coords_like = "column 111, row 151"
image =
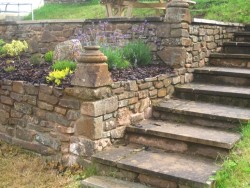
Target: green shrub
column 115, row 58
column 9, row 68
column 137, row 53
column 1, row 47
column 62, row 65
column 36, row 59
column 48, row 57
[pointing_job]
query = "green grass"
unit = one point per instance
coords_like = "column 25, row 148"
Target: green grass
column 235, row 172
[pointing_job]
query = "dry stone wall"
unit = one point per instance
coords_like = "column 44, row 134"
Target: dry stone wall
column 72, row 123
column 64, row 1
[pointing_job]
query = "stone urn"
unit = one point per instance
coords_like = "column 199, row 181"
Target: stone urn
column 91, row 70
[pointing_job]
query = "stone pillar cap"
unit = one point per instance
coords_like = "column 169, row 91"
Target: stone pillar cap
column 178, row 3
column 92, row 54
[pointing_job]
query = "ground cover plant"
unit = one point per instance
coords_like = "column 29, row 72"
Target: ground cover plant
column 235, row 172
column 223, row 10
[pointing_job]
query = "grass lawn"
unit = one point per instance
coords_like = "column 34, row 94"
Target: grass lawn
column 223, row 10
column 22, row 169
column 235, row 172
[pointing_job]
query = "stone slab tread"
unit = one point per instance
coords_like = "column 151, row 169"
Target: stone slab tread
column 244, row 33
column 238, row 44
column 229, row 55
column 181, row 168
column 224, row 71
column 206, row 110
column 231, row 91
column 108, row 182
column 186, row 132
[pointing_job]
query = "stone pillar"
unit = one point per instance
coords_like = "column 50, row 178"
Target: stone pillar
column 92, row 81
column 177, row 19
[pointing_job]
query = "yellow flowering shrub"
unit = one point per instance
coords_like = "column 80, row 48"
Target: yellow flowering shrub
column 58, row 75
column 15, row 48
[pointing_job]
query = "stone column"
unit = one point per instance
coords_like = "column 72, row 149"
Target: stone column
column 92, row 81
column 177, row 19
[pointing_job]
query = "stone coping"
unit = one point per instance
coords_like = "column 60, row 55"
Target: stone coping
column 112, row 20
column 214, row 22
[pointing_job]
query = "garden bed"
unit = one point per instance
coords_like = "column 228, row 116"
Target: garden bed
column 36, row 74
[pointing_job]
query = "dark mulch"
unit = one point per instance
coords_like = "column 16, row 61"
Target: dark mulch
column 25, row 71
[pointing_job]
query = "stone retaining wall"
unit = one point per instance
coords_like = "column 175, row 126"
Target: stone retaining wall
column 64, row 1
column 73, row 123
column 191, row 42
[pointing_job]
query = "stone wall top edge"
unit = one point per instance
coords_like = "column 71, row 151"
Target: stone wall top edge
column 112, row 20
column 196, row 21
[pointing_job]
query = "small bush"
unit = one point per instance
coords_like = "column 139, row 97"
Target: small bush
column 15, row 48
column 1, row 47
column 62, row 65
column 9, row 68
column 137, row 53
column 115, row 58
column 36, row 59
column 48, row 57
column 57, row 76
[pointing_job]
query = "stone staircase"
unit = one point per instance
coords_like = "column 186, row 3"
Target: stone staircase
column 182, row 145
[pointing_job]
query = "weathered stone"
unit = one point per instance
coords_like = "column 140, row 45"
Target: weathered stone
column 161, row 183
column 58, row 92
column 133, row 100
column 65, row 130
column 135, row 118
column 24, row 134
column 109, row 125
column 123, row 116
column 81, row 146
column 18, row 87
column 144, row 103
column 167, row 82
column 173, row 56
column 186, row 41
column 98, row 108
column 91, row 127
column 118, row 90
column 5, row 107
column 163, row 31
column 60, row 110
column 162, row 92
column 158, row 84
column 57, row 118
column 30, row 99
column 123, row 103
column 39, row 113
column 102, row 143
column 17, row 121
column 107, row 116
column 23, row 107
column 143, row 94
column 6, row 100
column 89, row 93
column 73, row 115
column 45, row 106
column 176, row 80
column 91, row 75
column 44, row 88
column 16, row 96
column 4, row 117
column 179, row 33
column 47, row 141
column 145, row 85
column 188, row 77
column 15, row 114
column 153, row 93
column 70, row 103
column 176, row 13
column 47, row 98
column 118, row 132
column 131, row 86
column 170, row 90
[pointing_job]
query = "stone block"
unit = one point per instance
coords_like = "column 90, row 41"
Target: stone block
column 81, row 146
column 39, row 113
column 101, row 107
column 57, row 118
column 173, row 56
column 177, row 14
column 7, row 100
column 44, row 88
column 24, row 134
column 23, row 107
column 15, row 114
column 109, row 125
column 5, row 107
column 179, row 33
column 133, row 100
column 16, row 96
column 91, row 75
column 48, row 98
column 144, row 103
column 176, row 80
column 73, row 115
column 158, row 182
column 170, row 90
column 146, row 85
column 64, row 130
column 135, row 118
column 45, row 106
column 18, row 87
column 123, row 103
column 167, row 82
column 30, row 99
column 123, row 116
column 143, row 94
column 118, row 132
column 162, row 92
column 4, row 117
column 91, row 127
column 60, row 110
column 131, row 86
column 163, row 31
column 70, row 103
column 89, row 93
column 47, row 141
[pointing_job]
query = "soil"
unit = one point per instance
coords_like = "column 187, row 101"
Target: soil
column 36, row 74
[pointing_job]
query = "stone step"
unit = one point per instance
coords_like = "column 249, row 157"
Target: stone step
column 159, row 168
column 219, row 94
column 184, row 138
column 242, row 36
column 108, row 182
column 236, row 47
column 223, row 76
column 230, row 60
column 200, row 113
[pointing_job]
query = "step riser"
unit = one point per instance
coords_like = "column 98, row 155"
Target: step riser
column 230, row 62
column 221, row 80
column 241, row 38
column 213, row 98
column 237, row 49
column 176, row 145
column 145, row 178
column 196, row 120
